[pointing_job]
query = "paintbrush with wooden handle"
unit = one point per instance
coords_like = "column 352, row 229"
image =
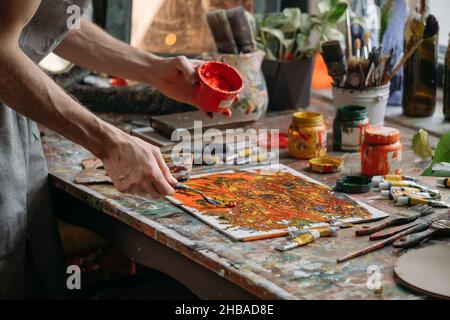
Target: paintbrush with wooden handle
column 348, row 27
column 420, row 226
column 431, row 30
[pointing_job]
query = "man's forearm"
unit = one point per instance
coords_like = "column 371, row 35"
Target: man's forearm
column 94, row 49
column 27, row 89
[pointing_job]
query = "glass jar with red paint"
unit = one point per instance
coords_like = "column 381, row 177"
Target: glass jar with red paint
column 381, row 152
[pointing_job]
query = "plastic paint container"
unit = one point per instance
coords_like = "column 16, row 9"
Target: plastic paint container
column 381, row 153
column 374, row 99
column 307, row 136
column 326, row 165
column 220, row 84
column 349, row 128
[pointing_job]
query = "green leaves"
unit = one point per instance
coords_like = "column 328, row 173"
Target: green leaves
column 292, row 34
column 441, row 154
column 291, row 20
column 421, row 145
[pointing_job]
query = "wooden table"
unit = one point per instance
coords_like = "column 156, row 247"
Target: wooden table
column 160, row 236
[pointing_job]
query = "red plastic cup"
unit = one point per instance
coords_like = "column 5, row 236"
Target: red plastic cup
column 220, row 84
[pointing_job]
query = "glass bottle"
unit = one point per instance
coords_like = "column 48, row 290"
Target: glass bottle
column 420, row 85
column 447, row 83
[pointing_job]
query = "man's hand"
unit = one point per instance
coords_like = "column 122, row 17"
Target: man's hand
column 177, row 78
column 137, row 167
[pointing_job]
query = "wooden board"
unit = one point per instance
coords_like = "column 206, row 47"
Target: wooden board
column 167, row 124
column 152, row 136
column 239, row 232
column 426, row 271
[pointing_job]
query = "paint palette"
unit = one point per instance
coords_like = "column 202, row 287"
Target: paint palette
column 268, row 200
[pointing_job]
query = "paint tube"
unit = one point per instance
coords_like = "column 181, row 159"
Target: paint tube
column 300, row 238
column 326, row 231
column 408, row 184
column 414, row 201
column 413, row 192
column 390, row 178
column 443, row 182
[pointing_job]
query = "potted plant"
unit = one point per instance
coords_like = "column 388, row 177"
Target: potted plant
column 291, row 39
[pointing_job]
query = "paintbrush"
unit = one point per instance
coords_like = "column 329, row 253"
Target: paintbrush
column 241, row 29
column 371, row 70
column 355, row 74
column 431, row 30
column 367, row 45
column 420, row 226
column 348, row 26
column 388, row 66
column 335, row 60
column 384, row 60
column 382, row 244
column 222, row 33
column 358, row 48
column 183, row 187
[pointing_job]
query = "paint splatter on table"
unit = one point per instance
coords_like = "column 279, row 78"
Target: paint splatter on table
column 305, row 273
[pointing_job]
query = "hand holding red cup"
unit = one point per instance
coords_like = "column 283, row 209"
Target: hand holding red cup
column 219, row 86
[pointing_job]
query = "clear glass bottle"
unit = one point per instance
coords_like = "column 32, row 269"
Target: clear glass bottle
column 447, row 83
column 420, row 72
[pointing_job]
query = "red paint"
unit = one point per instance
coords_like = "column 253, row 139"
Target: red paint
column 381, row 153
column 118, row 82
column 266, row 141
column 216, row 81
column 220, row 84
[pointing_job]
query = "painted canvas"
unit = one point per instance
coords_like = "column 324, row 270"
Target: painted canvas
column 264, row 202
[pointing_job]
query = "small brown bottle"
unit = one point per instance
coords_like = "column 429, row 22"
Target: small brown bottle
column 419, row 84
column 447, row 83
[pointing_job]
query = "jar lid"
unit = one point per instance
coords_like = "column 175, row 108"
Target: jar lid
column 326, row 164
column 381, row 135
column 308, row 118
column 354, row 184
column 352, row 112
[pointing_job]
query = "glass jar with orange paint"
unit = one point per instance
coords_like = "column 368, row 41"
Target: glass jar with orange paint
column 381, row 153
column 307, row 136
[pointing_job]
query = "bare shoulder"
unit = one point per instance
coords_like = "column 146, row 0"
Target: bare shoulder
column 16, row 14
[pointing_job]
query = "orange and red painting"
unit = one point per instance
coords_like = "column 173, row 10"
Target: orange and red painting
column 258, row 202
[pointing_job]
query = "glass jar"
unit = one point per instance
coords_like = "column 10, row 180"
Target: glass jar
column 349, row 128
column 447, row 83
column 381, row 152
column 307, row 136
column 420, row 71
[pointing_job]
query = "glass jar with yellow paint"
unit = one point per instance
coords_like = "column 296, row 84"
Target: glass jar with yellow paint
column 307, row 136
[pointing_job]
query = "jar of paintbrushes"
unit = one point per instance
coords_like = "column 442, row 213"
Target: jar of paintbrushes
column 363, row 75
column 361, row 78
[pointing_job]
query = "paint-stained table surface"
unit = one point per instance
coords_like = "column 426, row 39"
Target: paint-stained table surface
column 310, row 272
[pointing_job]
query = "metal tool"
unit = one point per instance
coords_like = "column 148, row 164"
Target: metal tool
column 421, row 225
column 419, row 211
column 437, row 229
column 183, row 187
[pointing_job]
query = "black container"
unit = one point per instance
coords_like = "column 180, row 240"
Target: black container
column 288, row 83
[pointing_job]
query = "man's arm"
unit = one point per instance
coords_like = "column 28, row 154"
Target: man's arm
column 92, row 48
column 134, row 166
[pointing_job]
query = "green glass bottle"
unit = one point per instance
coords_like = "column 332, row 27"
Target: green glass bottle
column 420, row 72
column 447, row 83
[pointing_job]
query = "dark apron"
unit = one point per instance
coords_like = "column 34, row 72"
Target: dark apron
column 26, row 218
